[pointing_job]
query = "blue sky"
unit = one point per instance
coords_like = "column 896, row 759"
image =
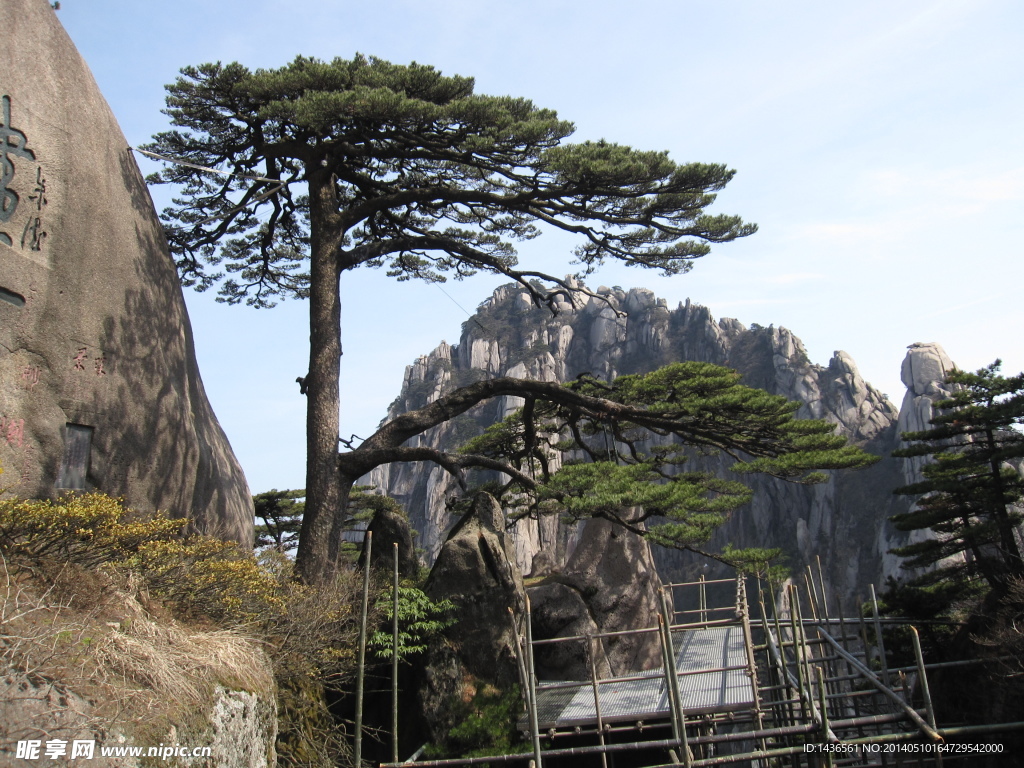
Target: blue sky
column 879, row 146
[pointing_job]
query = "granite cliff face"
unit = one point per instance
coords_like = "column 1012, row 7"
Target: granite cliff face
column 844, row 521
column 99, row 386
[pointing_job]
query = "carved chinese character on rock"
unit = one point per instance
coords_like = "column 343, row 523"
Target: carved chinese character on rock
column 30, row 376
column 12, row 431
column 13, row 144
column 28, row 465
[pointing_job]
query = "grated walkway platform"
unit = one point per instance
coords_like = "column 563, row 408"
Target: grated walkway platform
column 704, row 686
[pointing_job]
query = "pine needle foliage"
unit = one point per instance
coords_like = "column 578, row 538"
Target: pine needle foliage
column 279, row 518
column 636, row 452
column 971, row 493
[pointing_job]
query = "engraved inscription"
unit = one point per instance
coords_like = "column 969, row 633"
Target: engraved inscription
column 14, row 144
column 30, row 376
column 33, row 232
column 12, row 431
column 88, row 368
column 27, row 466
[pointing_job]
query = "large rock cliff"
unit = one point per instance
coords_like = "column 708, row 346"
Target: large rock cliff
column 843, row 521
column 99, row 386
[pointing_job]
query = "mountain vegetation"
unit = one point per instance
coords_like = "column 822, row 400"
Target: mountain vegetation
column 131, row 613
column 971, row 492
column 969, row 587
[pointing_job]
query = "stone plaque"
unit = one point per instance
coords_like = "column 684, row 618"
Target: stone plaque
column 77, row 451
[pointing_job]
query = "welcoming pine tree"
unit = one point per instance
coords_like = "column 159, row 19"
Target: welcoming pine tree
column 362, row 162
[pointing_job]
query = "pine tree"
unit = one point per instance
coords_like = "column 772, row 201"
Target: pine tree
column 281, row 516
column 694, row 408
column 361, row 162
column 972, row 490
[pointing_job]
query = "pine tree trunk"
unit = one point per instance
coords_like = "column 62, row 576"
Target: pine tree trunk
column 313, row 562
column 1008, row 541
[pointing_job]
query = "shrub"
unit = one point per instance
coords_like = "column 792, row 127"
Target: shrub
column 89, row 529
column 218, row 579
column 419, row 617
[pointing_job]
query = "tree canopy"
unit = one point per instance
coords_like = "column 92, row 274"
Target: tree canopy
column 694, row 408
column 281, row 513
column 971, row 492
column 289, row 177
column 403, row 166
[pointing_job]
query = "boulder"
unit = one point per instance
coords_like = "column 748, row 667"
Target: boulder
column 610, row 584
column 543, row 564
column 477, row 571
column 240, row 727
column 614, row 571
column 390, row 527
column 558, row 609
column 99, row 386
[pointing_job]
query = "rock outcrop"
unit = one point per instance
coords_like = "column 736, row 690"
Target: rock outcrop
column 475, row 569
column 239, row 727
column 843, row 521
column 610, row 584
column 390, row 528
column 99, row 386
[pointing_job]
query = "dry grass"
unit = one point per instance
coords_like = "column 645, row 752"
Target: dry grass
column 178, row 663
column 124, row 665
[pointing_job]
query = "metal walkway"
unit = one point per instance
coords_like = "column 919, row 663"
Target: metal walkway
column 768, row 690
column 712, row 678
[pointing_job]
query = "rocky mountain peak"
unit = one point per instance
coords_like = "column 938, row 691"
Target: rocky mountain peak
column 618, row 331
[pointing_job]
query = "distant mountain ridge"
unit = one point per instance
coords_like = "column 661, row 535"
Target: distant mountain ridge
column 843, row 521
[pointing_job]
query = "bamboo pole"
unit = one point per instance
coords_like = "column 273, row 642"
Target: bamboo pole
column 824, row 599
column 361, row 669
column 878, row 637
column 532, row 677
column 800, row 650
column 524, row 683
column 597, row 701
column 673, row 679
column 703, row 600
column 778, row 711
column 394, row 662
column 922, row 675
column 812, row 593
column 748, row 645
column 849, row 670
column 825, row 729
column 925, row 727
column 783, row 670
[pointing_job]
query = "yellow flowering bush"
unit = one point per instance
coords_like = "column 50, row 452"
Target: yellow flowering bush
column 195, row 574
column 209, row 576
column 88, row 529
